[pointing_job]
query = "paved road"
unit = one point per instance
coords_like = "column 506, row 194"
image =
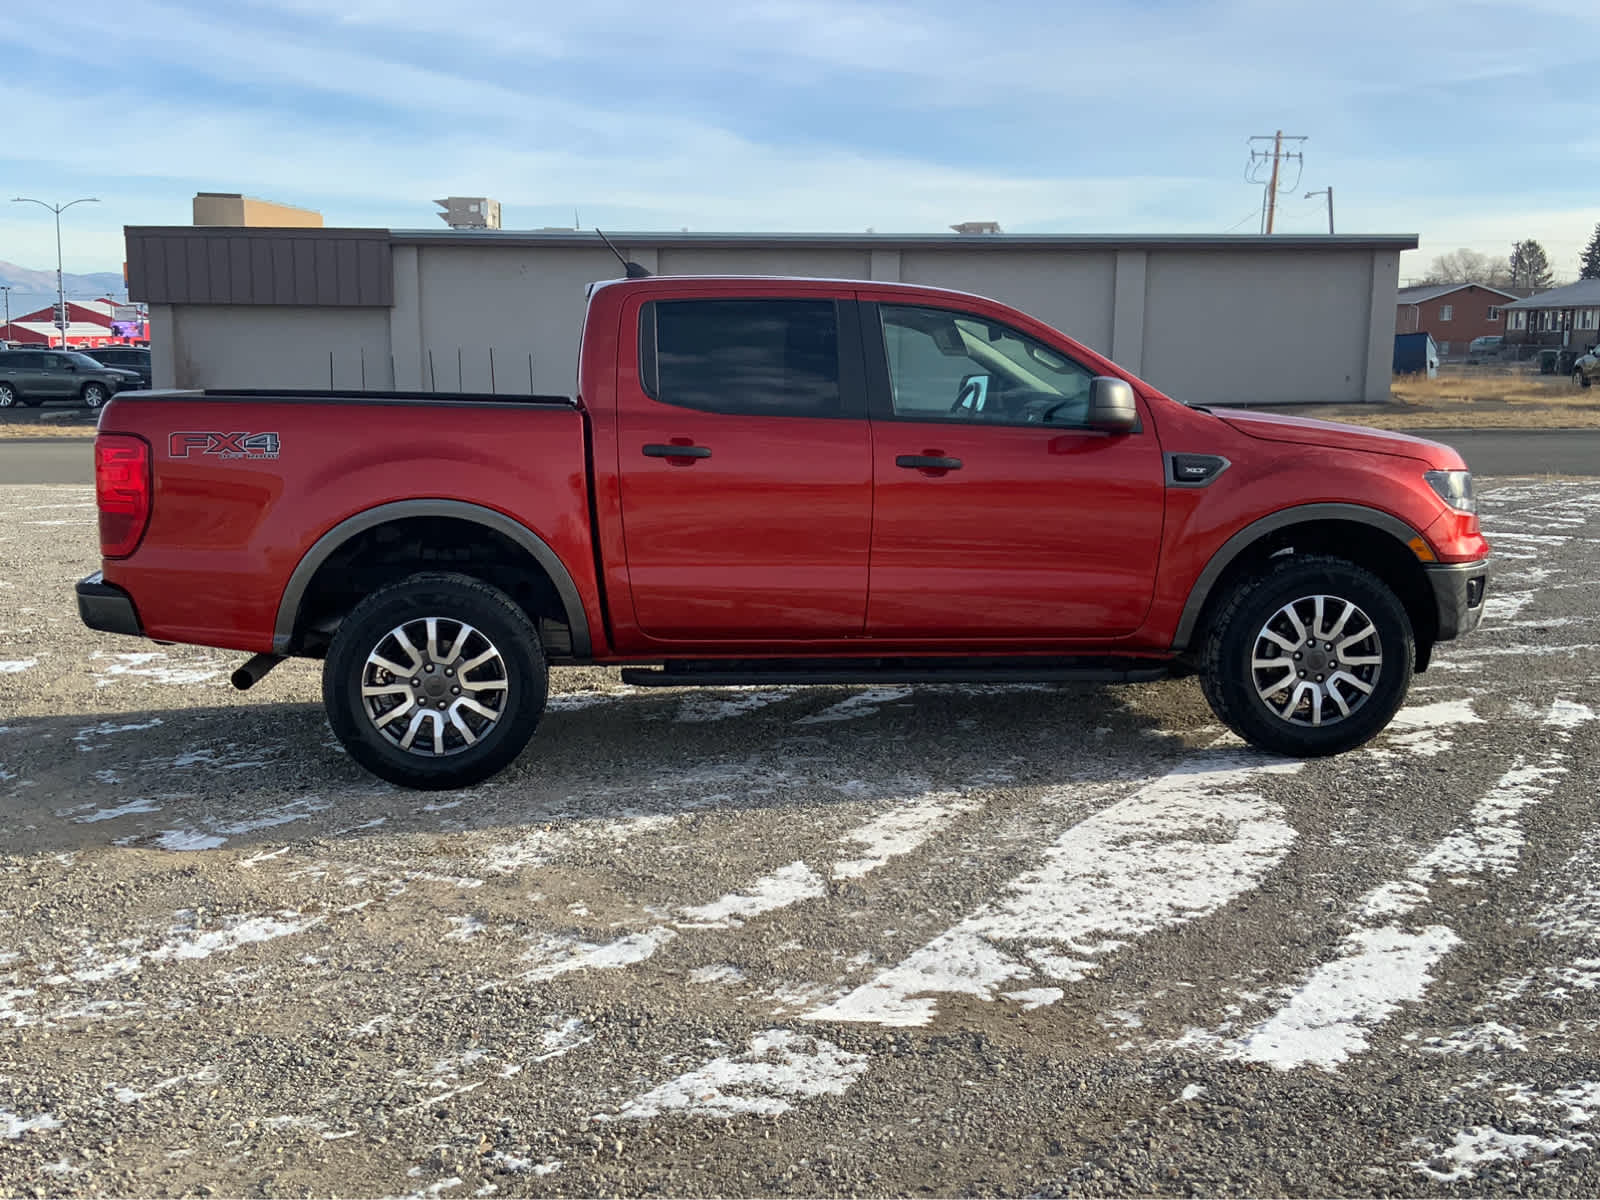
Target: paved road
column 1488, row 452
column 871, row 941
column 1524, row 452
column 54, row 460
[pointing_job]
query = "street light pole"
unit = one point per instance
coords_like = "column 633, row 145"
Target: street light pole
column 6, row 288
column 61, row 291
column 1328, row 192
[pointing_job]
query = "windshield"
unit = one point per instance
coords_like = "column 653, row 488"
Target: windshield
column 82, row 360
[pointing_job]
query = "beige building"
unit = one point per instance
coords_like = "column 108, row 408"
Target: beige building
column 230, row 208
column 1231, row 319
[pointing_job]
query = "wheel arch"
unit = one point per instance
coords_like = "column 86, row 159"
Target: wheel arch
column 1368, row 537
column 288, row 625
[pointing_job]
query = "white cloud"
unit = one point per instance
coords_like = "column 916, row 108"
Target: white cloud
column 833, row 114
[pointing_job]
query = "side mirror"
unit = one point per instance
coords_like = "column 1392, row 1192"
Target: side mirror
column 1112, row 408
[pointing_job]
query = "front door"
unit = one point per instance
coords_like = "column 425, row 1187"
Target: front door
column 54, row 380
column 997, row 512
column 746, row 475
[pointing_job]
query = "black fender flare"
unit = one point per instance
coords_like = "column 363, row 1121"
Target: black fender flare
column 399, row 510
column 1256, row 530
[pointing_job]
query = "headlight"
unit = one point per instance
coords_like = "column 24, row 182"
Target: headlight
column 1454, row 488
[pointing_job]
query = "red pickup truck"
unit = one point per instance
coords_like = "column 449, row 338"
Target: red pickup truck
column 784, row 481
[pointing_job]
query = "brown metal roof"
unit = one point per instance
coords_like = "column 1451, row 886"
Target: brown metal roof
column 213, row 265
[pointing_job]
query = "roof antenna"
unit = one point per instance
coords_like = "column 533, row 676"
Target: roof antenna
column 632, row 269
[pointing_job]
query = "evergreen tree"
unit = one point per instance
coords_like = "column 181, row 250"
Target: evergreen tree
column 1530, row 265
column 1589, row 260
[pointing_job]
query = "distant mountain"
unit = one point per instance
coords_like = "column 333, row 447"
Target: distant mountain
column 32, row 290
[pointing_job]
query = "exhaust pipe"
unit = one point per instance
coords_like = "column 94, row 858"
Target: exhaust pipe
column 254, row 671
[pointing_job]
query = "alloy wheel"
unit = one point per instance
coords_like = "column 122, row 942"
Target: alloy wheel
column 1316, row 660
column 435, row 686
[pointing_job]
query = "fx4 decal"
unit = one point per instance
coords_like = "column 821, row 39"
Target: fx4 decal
column 223, row 445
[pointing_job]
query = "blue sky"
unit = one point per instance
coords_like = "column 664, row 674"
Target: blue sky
column 1470, row 124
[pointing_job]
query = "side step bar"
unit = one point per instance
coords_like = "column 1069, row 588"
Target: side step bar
column 811, row 672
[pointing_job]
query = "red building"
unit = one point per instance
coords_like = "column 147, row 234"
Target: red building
column 1454, row 313
column 89, row 323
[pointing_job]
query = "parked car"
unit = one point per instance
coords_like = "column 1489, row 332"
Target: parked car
column 1485, row 349
column 127, row 358
column 1586, row 371
column 30, row 377
column 784, row 482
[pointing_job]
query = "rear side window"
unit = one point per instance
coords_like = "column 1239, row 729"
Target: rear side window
column 775, row 358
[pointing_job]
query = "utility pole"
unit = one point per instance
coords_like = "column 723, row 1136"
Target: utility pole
column 61, row 291
column 6, row 288
column 1276, row 157
column 1328, row 192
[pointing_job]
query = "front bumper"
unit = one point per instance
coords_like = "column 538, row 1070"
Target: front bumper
column 1458, row 591
column 106, row 607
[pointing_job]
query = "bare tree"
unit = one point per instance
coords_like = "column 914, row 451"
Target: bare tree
column 1469, row 266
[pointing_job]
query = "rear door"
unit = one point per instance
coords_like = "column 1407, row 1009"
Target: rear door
column 744, row 466
column 997, row 512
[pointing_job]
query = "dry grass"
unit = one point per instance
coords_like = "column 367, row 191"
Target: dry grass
column 15, row 431
column 1486, row 398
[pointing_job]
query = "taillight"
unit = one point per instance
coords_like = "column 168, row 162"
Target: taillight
column 122, row 491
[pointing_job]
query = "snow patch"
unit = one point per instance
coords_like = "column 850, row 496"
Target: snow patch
column 16, row 666
column 128, row 808
column 1326, row 1019
column 13, row 1127
column 701, row 709
column 180, row 841
column 717, row 973
column 1484, row 1144
column 780, row 1069
column 1177, row 849
column 780, row 889
column 862, row 704
column 1487, row 1038
column 1032, row 998
column 563, row 955
column 144, row 666
column 106, row 728
column 900, row 831
column 187, row 943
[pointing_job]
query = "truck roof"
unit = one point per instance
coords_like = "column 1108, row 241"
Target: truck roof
column 661, row 282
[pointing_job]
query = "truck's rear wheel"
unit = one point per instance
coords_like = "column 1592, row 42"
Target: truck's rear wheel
column 1311, row 657
column 437, row 681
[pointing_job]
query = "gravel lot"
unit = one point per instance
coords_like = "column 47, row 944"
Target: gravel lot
column 1019, row 941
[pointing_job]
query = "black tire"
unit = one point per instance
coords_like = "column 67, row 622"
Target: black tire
column 453, row 599
column 95, row 394
column 1229, row 680
column 1579, row 378
column 8, row 396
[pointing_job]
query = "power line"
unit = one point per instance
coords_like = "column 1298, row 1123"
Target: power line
column 1271, row 162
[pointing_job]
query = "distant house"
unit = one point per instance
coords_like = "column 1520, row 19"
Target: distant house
column 1563, row 316
column 1454, row 313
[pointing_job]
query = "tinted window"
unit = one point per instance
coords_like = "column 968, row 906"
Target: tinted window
column 25, row 360
column 762, row 357
column 951, row 366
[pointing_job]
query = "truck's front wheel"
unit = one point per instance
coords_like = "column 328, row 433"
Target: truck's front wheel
column 437, row 681
column 1313, row 656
